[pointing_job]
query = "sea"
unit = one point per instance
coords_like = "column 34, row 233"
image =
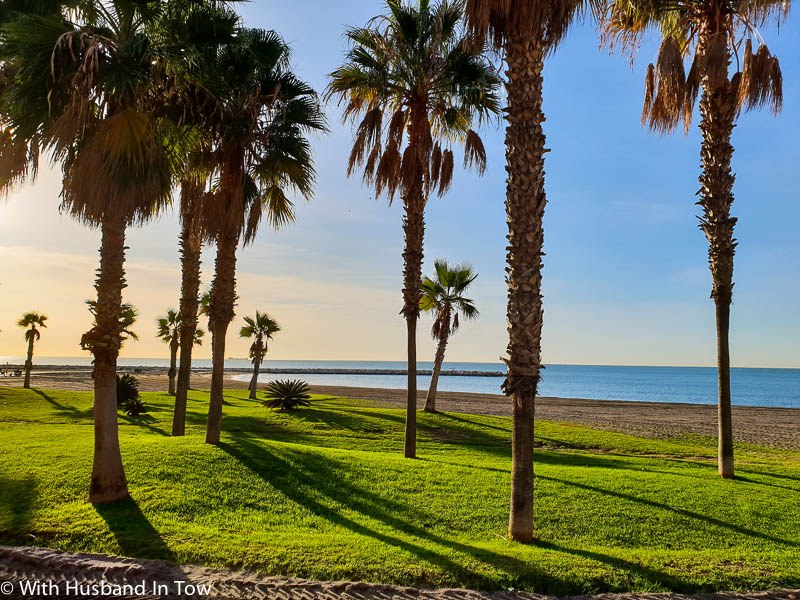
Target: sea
column 694, row 385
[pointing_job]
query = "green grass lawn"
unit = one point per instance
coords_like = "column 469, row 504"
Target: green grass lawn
column 324, row 493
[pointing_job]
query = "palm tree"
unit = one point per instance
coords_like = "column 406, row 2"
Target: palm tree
column 526, row 31
column 81, row 84
column 169, row 332
column 199, row 29
column 170, row 329
column 203, row 310
column 191, row 243
column 262, row 328
column 710, row 33
column 416, row 85
column 31, row 322
column 443, row 296
column 259, row 123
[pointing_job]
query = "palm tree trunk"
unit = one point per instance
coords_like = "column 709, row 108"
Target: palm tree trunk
column 108, row 475
column 525, row 205
column 191, row 244
column 717, row 111
column 430, row 401
column 29, row 364
column 414, row 230
column 173, row 365
column 223, row 299
column 254, row 379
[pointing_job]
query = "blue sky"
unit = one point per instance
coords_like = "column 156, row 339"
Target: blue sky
column 626, row 280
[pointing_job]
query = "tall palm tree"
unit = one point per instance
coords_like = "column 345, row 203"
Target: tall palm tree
column 261, row 327
column 170, row 330
column 191, row 244
column 31, row 322
column 259, row 124
column 80, row 84
column 443, row 296
column 710, row 34
column 198, row 29
column 416, row 85
column 526, row 31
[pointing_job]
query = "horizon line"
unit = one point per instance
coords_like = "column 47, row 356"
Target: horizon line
column 499, row 362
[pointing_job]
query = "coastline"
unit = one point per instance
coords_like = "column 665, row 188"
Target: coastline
column 763, row 426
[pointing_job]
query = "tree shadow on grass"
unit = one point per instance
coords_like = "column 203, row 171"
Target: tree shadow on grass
column 321, row 485
column 472, row 422
column 315, row 483
column 145, row 421
column 133, row 532
column 64, row 408
column 367, row 424
column 744, row 479
column 667, row 581
column 767, row 474
column 350, row 420
column 17, row 497
column 681, row 511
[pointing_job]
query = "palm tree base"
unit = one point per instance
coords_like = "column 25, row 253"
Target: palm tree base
column 108, row 492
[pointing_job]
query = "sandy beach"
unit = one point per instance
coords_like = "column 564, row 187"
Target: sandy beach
column 772, row 427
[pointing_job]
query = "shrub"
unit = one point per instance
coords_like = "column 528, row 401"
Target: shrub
column 128, row 395
column 134, row 407
column 287, row 395
column 127, row 388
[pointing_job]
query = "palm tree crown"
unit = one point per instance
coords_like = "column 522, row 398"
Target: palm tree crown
column 78, row 85
column 711, row 33
column 443, row 295
column 169, row 326
column 414, row 74
column 547, row 21
column 32, row 321
column 258, row 123
column 262, row 328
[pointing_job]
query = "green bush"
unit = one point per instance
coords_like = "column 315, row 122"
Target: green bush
column 128, row 395
column 287, row 395
column 134, row 407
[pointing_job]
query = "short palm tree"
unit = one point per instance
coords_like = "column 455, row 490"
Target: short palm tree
column 170, row 330
column 203, row 310
column 417, row 86
column 261, row 116
column 287, row 395
column 261, row 327
column 32, row 322
column 80, row 83
column 710, row 34
column 443, row 296
column 526, row 31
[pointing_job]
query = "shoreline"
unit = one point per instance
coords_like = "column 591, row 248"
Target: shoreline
column 772, row 427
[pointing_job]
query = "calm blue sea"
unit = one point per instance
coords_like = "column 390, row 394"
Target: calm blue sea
column 695, row 385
